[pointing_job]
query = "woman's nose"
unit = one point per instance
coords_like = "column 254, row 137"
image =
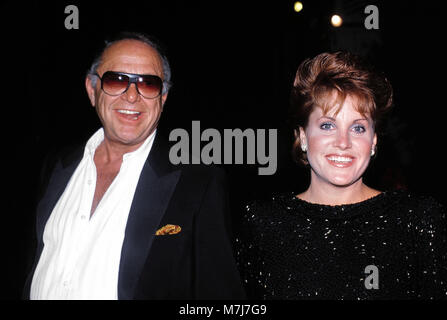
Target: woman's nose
column 343, row 140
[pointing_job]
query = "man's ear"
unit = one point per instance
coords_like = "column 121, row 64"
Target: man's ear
column 163, row 100
column 91, row 91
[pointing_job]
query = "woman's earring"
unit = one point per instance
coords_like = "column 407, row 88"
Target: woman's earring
column 304, row 148
column 373, row 151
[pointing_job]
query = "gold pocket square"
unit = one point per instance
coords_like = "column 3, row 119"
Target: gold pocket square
column 168, row 229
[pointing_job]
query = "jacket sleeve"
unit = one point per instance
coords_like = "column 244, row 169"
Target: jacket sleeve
column 216, row 274
column 47, row 167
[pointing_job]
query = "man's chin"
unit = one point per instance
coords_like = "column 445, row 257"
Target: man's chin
column 126, row 138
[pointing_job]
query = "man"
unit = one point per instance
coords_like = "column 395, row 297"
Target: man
column 117, row 220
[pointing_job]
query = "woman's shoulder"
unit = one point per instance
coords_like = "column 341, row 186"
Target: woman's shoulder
column 280, row 205
column 423, row 213
column 417, row 203
column 272, row 206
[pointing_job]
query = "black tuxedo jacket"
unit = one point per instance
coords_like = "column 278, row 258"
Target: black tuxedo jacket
column 196, row 263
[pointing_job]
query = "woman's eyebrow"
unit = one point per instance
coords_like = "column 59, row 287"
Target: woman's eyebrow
column 333, row 119
column 330, row 118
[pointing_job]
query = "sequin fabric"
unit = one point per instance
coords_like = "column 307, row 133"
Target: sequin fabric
column 288, row 248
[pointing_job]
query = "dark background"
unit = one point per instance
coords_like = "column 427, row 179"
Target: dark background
column 233, row 65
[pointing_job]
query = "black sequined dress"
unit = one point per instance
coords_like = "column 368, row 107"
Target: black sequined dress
column 288, row 248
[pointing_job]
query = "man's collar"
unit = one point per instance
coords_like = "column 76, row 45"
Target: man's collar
column 158, row 156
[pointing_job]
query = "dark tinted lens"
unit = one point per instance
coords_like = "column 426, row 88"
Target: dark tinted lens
column 150, row 86
column 114, row 83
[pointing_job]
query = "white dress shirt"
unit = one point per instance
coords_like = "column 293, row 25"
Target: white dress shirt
column 81, row 255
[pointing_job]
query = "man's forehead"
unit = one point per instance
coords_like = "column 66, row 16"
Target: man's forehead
column 127, row 53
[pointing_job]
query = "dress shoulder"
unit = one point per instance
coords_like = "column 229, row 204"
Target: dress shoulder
column 255, row 240
column 418, row 201
column 273, row 207
column 422, row 209
column 428, row 227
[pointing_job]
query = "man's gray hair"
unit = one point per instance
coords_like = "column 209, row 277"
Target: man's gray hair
column 91, row 73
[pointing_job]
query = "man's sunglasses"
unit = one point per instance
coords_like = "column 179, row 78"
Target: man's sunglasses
column 116, row 83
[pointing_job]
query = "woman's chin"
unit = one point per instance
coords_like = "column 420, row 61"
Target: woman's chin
column 343, row 182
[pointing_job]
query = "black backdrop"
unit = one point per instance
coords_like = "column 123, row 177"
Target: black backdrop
column 233, row 64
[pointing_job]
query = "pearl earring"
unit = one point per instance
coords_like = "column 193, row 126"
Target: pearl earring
column 304, row 148
column 373, row 151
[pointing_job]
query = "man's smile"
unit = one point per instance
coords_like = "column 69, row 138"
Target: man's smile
column 128, row 114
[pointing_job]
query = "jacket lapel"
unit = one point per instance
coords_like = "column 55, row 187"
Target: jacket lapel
column 154, row 190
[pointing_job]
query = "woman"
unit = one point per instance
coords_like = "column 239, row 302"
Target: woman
column 341, row 239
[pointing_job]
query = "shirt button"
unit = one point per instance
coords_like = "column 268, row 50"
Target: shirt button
column 83, row 217
column 89, row 182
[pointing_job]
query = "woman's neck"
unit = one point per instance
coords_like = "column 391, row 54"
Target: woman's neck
column 328, row 194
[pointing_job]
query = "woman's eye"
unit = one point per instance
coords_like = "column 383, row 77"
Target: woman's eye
column 326, row 126
column 359, row 129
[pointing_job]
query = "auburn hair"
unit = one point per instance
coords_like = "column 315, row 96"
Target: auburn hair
column 326, row 80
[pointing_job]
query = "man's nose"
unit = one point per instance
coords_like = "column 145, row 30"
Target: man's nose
column 131, row 95
column 343, row 140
